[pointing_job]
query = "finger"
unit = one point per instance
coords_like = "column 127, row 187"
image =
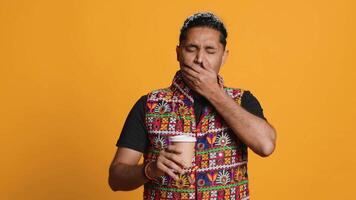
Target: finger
column 195, row 68
column 194, row 82
column 172, row 165
column 184, row 65
column 176, row 159
column 174, row 149
column 206, row 65
column 188, row 81
column 220, row 80
column 199, row 69
column 190, row 71
column 165, row 165
column 166, row 170
column 189, row 76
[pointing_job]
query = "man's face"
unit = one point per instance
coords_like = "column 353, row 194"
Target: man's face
column 202, row 47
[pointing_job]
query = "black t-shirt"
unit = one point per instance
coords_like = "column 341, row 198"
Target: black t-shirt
column 134, row 134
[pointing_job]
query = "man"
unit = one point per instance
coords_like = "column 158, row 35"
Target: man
column 225, row 121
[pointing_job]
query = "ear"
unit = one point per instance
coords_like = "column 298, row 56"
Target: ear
column 178, row 52
column 225, row 55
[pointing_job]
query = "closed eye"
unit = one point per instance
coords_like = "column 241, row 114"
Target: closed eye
column 210, row 50
column 190, row 48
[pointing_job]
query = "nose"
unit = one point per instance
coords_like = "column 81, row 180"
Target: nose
column 199, row 57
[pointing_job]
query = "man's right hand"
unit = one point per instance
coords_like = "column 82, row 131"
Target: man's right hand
column 169, row 161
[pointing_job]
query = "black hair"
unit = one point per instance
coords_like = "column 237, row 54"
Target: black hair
column 203, row 19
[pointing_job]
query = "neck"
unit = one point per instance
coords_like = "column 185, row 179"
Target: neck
column 196, row 95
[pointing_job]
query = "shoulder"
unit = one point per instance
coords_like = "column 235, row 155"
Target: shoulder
column 248, row 97
column 142, row 100
column 252, row 104
column 159, row 93
column 138, row 108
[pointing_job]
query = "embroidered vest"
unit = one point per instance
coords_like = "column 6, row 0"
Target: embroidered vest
column 219, row 168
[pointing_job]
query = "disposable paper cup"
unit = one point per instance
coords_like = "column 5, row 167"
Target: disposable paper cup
column 186, row 144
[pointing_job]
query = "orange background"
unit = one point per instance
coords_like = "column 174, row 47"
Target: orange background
column 71, row 71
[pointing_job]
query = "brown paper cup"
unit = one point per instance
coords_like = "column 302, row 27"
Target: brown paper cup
column 186, row 144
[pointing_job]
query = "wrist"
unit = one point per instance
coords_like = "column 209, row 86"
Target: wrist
column 217, row 94
column 153, row 171
column 150, row 172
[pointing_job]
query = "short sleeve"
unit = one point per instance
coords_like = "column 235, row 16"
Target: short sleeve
column 251, row 104
column 134, row 133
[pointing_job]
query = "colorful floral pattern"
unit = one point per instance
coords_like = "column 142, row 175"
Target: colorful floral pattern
column 219, row 168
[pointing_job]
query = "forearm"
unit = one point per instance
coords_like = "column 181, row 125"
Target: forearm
column 126, row 177
column 253, row 131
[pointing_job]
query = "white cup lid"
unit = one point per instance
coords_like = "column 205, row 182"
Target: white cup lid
column 182, row 138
